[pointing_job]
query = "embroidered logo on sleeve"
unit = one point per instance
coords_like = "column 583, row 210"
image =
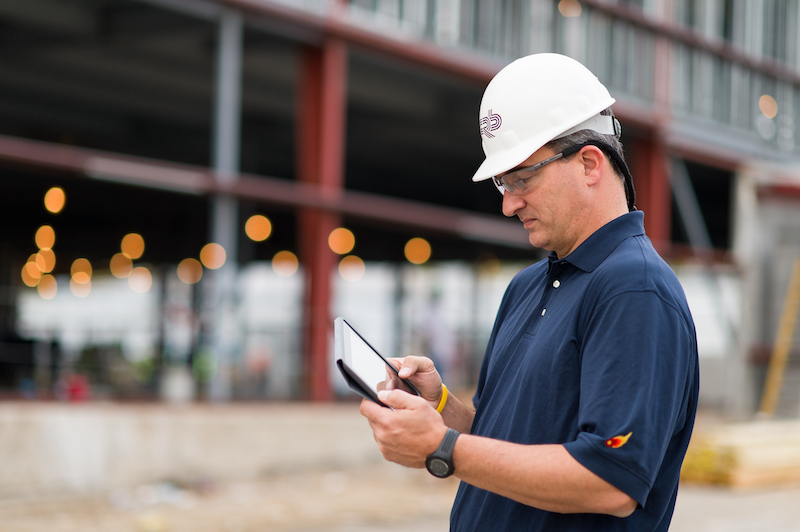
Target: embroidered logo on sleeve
column 618, row 441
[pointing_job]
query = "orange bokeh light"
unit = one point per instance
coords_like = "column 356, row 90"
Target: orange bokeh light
column 28, row 278
column 32, row 267
column 81, row 266
column 55, row 199
column 140, row 280
column 132, row 245
column 569, row 8
column 120, row 265
column 45, row 237
column 768, row 106
column 341, row 240
column 46, row 260
column 351, row 268
column 47, row 287
column 285, row 263
column 418, row 250
column 212, row 256
column 190, row 271
column 258, row 227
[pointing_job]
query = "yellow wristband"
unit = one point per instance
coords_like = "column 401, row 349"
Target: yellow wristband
column 443, row 400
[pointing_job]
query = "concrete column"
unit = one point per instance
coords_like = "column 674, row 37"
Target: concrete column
column 219, row 285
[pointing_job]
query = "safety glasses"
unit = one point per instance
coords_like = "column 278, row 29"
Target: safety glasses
column 519, row 182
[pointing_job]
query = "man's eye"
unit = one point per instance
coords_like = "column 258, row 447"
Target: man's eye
column 521, row 180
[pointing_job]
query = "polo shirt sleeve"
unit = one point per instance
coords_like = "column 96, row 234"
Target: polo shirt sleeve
column 635, row 369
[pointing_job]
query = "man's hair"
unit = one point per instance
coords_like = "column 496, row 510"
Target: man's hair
column 587, row 136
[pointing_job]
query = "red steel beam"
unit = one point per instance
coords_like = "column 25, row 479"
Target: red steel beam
column 320, row 159
column 190, row 179
column 649, row 166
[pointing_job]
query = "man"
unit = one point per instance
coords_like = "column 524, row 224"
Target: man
column 587, row 394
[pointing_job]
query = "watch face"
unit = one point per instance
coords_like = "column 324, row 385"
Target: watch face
column 438, row 467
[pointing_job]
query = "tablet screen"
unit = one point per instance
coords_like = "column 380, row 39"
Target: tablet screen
column 367, row 365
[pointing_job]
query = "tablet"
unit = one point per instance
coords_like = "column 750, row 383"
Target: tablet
column 363, row 368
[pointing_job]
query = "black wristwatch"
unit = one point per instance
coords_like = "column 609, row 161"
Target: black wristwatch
column 440, row 463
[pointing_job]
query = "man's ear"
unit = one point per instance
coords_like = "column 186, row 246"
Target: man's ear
column 592, row 159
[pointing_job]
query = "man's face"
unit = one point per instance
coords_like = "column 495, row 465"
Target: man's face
column 551, row 210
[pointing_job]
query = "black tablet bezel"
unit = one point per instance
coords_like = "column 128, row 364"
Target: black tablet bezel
column 350, row 376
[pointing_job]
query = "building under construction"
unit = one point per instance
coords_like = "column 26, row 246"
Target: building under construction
column 281, row 162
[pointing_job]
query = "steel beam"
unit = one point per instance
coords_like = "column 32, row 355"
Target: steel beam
column 199, row 180
column 320, row 161
column 649, row 166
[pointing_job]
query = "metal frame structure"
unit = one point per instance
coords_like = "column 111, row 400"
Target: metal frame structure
column 662, row 78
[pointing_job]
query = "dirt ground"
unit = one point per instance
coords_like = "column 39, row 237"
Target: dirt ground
column 373, row 498
column 379, row 497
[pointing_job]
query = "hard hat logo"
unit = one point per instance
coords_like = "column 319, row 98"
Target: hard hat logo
column 489, row 123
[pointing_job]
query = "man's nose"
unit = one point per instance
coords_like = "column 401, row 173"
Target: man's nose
column 512, row 204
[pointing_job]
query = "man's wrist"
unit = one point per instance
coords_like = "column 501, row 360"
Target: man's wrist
column 442, row 399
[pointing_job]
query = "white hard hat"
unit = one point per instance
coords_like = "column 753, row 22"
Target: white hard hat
column 534, row 100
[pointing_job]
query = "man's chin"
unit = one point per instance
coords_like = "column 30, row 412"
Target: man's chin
column 536, row 241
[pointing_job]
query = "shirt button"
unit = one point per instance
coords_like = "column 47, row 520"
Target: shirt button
column 556, row 283
column 543, row 311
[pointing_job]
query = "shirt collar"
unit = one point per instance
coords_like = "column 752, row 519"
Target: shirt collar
column 595, row 249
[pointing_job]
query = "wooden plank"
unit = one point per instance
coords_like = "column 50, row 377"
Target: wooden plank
column 746, row 455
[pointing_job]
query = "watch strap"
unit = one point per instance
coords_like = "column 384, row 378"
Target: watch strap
column 448, row 442
column 443, row 456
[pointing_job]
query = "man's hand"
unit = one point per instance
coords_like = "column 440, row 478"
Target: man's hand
column 421, row 372
column 409, row 431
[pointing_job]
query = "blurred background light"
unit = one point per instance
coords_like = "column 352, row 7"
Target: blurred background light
column 190, row 271
column 80, row 289
column 48, row 260
column 768, row 106
column 285, row 263
column 212, row 256
column 351, row 268
column 570, row 8
column 29, row 279
column 120, row 265
column 81, row 271
column 47, row 287
column 418, row 250
column 31, row 273
column 45, row 237
column 140, row 280
column 33, row 270
column 132, row 245
column 341, row 240
column 38, row 261
column 54, row 200
column 258, row 227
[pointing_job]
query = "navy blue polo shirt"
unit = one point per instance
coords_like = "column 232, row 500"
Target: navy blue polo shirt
column 596, row 351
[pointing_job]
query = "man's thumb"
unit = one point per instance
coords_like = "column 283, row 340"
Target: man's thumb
column 395, row 398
